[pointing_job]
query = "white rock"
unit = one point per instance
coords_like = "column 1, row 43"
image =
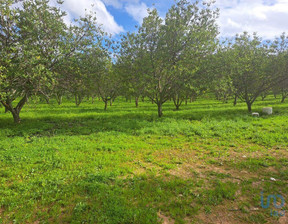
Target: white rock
column 255, row 114
column 273, row 179
column 267, row 110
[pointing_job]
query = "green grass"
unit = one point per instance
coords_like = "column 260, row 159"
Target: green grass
column 68, row 164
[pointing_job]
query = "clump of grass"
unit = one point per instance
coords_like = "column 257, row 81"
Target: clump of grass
column 219, row 192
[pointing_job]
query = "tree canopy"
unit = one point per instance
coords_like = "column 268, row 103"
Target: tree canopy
column 173, row 58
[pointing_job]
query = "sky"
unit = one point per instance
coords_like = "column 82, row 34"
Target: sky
column 269, row 18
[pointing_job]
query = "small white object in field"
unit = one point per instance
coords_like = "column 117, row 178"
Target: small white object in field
column 255, row 114
column 273, row 179
column 244, row 156
column 267, row 110
column 254, row 209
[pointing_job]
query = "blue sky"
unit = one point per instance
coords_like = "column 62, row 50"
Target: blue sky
column 269, row 18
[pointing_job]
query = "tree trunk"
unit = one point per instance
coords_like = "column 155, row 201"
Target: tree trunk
column 16, row 116
column 47, row 99
column 177, row 101
column 6, row 110
column 111, row 102
column 59, row 99
column 15, row 111
column 136, row 101
column 78, row 100
column 283, row 98
column 159, row 109
column 235, row 100
column 225, row 98
column 106, row 104
column 249, row 106
column 193, row 98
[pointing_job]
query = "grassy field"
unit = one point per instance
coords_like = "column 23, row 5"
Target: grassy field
column 207, row 163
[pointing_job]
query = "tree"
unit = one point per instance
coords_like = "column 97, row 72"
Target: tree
column 30, row 46
column 8, row 55
column 279, row 65
column 189, row 38
column 148, row 40
column 35, row 44
column 129, row 67
column 98, row 73
column 168, row 54
column 73, row 75
column 107, row 83
column 221, row 72
column 284, row 90
column 249, row 66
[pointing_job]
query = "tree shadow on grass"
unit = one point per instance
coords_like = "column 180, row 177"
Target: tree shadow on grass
column 126, row 122
column 122, row 118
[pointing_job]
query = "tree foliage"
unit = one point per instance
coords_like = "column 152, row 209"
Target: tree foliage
column 35, row 43
column 173, row 58
column 167, row 55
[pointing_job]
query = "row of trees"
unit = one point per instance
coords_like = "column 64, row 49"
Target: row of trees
column 247, row 67
column 41, row 55
column 176, row 58
column 165, row 59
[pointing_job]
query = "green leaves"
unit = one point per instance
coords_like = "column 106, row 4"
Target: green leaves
column 165, row 56
column 36, row 43
column 243, row 68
